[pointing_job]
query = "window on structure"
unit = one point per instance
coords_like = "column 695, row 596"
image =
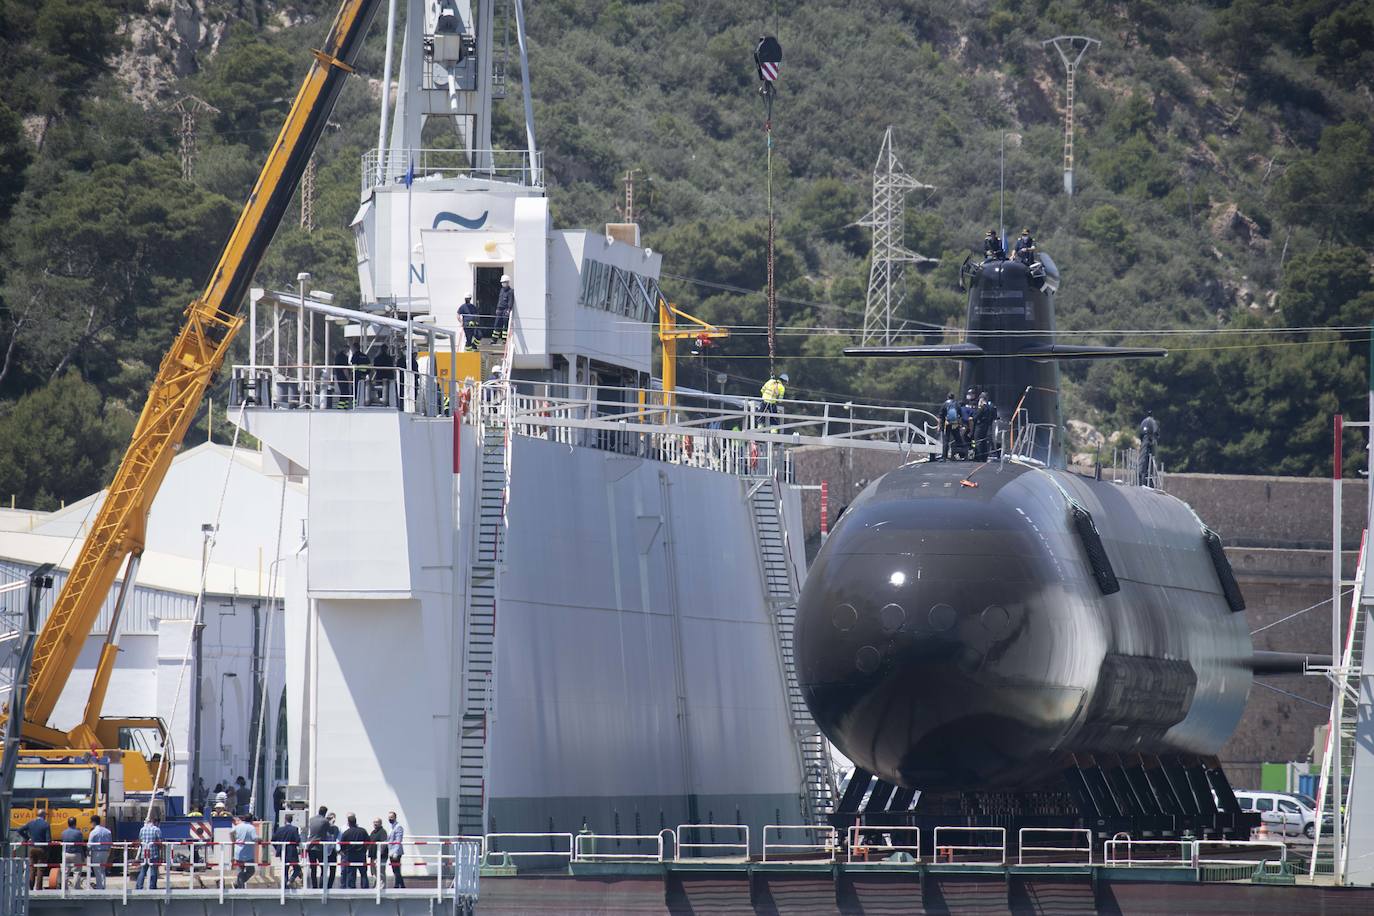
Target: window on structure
column 1264, row 804
column 282, row 756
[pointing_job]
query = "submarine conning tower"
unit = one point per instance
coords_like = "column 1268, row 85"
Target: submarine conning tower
column 1010, row 309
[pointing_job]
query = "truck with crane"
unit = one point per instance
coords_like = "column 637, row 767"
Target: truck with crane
column 119, row 767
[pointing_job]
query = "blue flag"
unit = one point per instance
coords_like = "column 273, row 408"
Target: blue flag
column 410, row 174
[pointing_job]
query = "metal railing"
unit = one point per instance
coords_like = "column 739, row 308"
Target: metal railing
column 390, row 167
column 289, row 387
column 705, row 431
column 947, row 850
column 1052, row 854
column 1131, row 852
column 714, row 851
column 824, row 851
column 860, row 848
column 586, row 850
column 442, row 868
column 493, row 846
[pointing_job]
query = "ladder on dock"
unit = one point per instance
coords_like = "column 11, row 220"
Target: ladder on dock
column 1345, row 679
column 780, row 584
column 479, row 629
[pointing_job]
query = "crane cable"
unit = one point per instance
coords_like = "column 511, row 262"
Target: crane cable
column 196, row 617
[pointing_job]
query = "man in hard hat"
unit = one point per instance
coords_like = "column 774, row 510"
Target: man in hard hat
column 472, row 323
column 774, row 390
column 505, row 304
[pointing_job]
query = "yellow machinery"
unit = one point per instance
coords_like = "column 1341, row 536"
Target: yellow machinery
column 670, row 332
column 117, row 534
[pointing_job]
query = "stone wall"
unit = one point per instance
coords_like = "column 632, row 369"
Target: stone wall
column 1278, row 536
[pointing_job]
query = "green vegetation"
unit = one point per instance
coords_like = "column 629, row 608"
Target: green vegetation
column 1225, row 152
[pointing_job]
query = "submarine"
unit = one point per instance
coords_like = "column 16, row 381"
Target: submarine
column 1011, row 629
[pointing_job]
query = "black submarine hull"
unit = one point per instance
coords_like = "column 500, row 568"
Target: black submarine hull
column 972, row 638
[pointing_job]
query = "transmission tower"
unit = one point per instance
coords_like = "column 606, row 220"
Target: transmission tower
column 308, row 196
column 188, row 106
column 887, row 275
column 1071, row 49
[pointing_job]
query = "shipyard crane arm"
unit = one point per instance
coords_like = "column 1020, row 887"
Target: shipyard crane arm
column 117, row 533
column 670, row 332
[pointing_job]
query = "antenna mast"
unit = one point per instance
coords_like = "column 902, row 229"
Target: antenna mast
column 887, row 275
column 1071, row 49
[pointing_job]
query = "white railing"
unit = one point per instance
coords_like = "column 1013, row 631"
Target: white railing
column 1232, row 852
column 567, row 854
column 327, row 387
column 390, row 167
column 800, row 852
column 1057, row 850
column 1126, row 851
column 860, row 849
column 436, row 867
column 947, row 849
column 714, row 851
column 586, row 851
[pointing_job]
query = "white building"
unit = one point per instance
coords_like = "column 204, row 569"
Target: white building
column 158, row 671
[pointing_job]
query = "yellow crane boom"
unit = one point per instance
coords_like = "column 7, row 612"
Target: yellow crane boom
column 177, row 392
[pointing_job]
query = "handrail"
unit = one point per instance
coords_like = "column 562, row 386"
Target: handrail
column 452, row 862
column 951, row 848
column 1110, row 855
column 856, row 844
column 827, row 848
column 569, row 853
column 582, row 854
column 1022, row 847
column 679, row 845
column 384, row 167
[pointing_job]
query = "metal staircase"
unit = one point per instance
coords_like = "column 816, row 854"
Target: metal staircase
column 1345, row 678
column 479, row 629
column 781, row 590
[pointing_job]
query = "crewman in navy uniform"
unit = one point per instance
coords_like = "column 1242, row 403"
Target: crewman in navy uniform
column 471, row 320
column 505, row 304
column 1149, row 438
column 992, row 246
column 949, row 426
column 983, row 421
column 1025, row 248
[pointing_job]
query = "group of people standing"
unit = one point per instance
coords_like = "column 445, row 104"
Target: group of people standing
column 966, row 427
column 326, row 849
column 355, row 368
column 475, row 326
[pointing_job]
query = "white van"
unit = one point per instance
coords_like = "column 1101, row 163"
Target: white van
column 1283, row 813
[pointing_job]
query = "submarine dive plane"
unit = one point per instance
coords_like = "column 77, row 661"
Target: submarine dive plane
column 1018, row 643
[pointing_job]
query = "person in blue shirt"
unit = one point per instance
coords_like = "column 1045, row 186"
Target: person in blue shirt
column 949, row 426
column 395, row 846
column 245, row 838
column 149, row 850
column 99, row 844
column 73, row 854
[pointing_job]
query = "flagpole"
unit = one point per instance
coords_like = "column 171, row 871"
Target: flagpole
column 410, row 251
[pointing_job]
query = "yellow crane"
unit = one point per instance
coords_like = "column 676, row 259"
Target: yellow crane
column 670, row 332
column 116, row 536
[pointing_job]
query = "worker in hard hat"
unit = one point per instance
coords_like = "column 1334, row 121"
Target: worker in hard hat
column 774, row 390
column 505, row 304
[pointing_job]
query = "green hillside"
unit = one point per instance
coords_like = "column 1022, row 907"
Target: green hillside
column 1223, row 188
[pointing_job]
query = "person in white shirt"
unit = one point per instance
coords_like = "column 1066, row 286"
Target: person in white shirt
column 99, row 844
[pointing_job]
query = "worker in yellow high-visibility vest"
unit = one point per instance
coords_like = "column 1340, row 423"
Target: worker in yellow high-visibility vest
column 774, row 390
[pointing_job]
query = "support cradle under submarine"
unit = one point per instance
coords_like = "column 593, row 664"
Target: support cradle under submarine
column 1021, row 644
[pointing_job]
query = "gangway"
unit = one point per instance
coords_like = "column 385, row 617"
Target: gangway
column 781, row 589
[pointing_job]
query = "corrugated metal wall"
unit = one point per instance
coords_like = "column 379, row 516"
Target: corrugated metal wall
column 145, row 606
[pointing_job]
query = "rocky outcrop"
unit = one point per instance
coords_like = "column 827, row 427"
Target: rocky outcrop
column 168, row 40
